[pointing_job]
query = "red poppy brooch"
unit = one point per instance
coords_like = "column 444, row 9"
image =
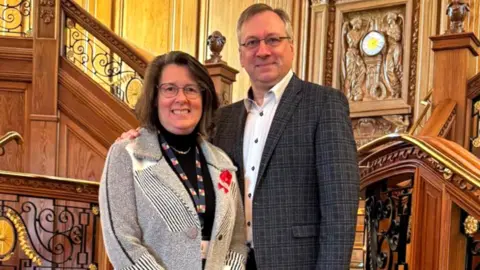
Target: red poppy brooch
column 225, row 181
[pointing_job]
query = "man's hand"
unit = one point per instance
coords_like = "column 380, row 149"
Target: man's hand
column 130, row 135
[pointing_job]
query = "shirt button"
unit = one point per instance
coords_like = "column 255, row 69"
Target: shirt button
column 253, row 168
column 220, row 237
column 248, row 224
column 249, row 195
column 256, row 140
column 261, row 113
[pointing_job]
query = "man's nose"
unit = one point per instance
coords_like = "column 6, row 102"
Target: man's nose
column 263, row 49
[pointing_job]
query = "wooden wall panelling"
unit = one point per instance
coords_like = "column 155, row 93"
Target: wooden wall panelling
column 16, row 59
column 13, row 111
column 318, row 43
column 80, row 155
column 43, row 105
column 427, row 215
column 429, row 25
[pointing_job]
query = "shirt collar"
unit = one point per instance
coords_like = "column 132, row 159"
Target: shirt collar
column 277, row 91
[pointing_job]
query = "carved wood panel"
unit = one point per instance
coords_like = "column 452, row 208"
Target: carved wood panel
column 80, row 155
column 12, row 111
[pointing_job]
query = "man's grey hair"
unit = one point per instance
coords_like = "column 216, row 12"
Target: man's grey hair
column 260, row 8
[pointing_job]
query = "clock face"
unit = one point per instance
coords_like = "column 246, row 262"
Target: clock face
column 373, row 43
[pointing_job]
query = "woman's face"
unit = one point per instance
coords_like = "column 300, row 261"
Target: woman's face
column 178, row 113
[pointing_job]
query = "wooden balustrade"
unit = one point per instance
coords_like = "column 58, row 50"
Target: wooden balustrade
column 50, row 222
column 418, row 192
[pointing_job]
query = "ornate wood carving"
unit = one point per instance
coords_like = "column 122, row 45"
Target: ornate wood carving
column 109, row 38
column 448, row 125
column 43, row 187
column 372, row 69
column 330, row 43
column 414, row 54
column 47, row 10
column 370, row 128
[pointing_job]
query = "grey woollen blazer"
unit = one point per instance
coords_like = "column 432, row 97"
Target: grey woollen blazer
column 148, row 217
column 306, row 195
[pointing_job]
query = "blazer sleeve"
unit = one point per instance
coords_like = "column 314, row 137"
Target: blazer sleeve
column 121, row 232
column 237, row 255
column 338, row 178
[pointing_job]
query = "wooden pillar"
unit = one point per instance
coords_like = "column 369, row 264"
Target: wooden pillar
column 454, row 63
column 42, row 106
column 223, row 77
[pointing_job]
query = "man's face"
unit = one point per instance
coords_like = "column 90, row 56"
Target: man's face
column 266, row 65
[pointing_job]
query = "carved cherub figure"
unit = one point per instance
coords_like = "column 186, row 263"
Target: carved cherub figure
column 457, row 11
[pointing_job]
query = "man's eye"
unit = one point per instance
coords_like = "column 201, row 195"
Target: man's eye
column 272, row 41
column 251, row 43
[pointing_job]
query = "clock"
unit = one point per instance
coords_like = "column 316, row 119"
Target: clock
column 7, row 239
column 373, row 43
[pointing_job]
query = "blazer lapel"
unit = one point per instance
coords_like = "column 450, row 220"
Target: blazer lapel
column 239, row 113
column 285, row 109
column 147, row 147
column 217, row 163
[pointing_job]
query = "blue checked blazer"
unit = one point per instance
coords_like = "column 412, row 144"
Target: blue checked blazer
column 306, row 196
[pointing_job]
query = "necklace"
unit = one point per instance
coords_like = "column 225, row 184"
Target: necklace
column 181, row 152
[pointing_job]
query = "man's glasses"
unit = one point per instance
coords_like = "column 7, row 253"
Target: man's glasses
column 253, row 43
column 171, row 90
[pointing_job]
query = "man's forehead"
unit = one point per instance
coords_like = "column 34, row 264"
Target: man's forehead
column 270, row 25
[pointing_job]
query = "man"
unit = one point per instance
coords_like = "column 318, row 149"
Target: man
column 292, row 142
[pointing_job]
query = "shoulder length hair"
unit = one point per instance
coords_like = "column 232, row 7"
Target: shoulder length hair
column 146, row 107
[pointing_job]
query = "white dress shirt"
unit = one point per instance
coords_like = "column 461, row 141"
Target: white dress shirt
column 257, row 125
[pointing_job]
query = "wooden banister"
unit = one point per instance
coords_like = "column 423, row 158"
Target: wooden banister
column 127, row 52
column 422, row 185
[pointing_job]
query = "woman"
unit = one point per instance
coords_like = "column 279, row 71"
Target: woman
column 169, row 199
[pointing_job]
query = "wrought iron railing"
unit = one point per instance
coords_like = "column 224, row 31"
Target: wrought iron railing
column 387, row 224
column 101, row 64
column 41, row 231
column 470, row 228
column 15, row 18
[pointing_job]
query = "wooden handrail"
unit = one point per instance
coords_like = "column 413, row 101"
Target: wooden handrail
column 127, row 52
column 441, row 120
column 448, row 154
column 48, row 186
column 8, row 137
column 427, row 103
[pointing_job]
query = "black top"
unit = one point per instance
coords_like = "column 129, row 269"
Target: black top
column 187, row 162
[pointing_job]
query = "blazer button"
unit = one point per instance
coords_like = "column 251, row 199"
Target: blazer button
column 192, row 232
column 220, row 237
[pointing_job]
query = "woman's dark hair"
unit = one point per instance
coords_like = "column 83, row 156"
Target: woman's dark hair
column 146, row 107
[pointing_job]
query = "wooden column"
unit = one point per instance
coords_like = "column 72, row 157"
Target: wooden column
column 223, row 77
column 454, row 63
column 42, row 106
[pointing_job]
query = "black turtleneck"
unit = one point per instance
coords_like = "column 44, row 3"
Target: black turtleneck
column 187, row 162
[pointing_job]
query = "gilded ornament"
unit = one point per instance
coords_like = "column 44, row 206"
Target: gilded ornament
column 7, row 239
column 92, row 267
column 447, row 173
column 476, row 142
column 471, row 225
column 22, row 237
column 477, row 106
column 95, row 210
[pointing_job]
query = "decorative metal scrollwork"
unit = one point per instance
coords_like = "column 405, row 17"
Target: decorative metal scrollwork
column 387, row 224
column 15, row 19
column 48, row 232
column 99, row 62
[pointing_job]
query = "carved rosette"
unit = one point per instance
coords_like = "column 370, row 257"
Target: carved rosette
column 47, row 11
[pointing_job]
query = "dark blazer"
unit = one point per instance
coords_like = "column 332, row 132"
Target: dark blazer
column 306, row 196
